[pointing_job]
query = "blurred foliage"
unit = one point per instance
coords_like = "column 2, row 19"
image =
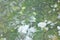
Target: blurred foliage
column 12, row 12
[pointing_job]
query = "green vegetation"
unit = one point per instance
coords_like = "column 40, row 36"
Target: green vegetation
column 43, row 15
